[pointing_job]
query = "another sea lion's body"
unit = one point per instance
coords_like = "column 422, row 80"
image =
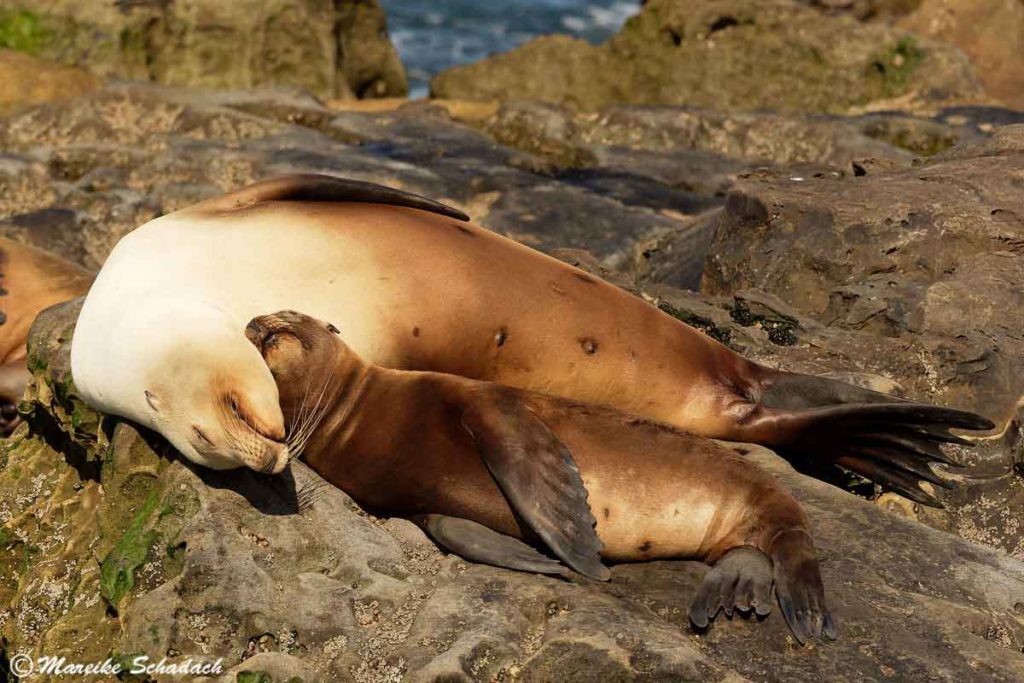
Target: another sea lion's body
column 30, row 280
column 436, row 448
column 414, row 286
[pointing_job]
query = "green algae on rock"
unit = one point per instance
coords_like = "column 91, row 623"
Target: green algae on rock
column 333, row 49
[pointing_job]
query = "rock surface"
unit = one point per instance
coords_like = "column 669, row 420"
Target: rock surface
column 27, row 81
column 990, row 32
column 740, row 55
column 912, row 273
column 112, row 544
column 332, row 49
column 115, row 546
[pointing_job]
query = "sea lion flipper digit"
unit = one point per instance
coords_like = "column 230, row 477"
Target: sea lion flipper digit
column 536, row 473
column 315, row 187
column 477, row 543
column 798, row 586
column 885, row 439
column 741, row 579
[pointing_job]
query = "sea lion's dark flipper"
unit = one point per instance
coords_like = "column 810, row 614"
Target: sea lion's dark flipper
column 798, row 587
column 813, row 420
column 477, row 543
column 537, row 474
column 315, row 187
column 741, row 579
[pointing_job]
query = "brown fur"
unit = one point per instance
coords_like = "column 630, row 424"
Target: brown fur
column 394, row 440
column 30, row 281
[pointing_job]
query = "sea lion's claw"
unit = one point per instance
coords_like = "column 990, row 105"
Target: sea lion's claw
column 798, row 586
column 741, row 579
column 537, row 474
column 477, row 543
column 828, row 627
column 705, row 605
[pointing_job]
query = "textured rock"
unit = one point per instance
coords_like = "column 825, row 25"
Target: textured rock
column 911, row 274
column 111, row 161
column 333, row 49
column 726, row 54
column 135, row 552
column 26, row 80
column 990, row 32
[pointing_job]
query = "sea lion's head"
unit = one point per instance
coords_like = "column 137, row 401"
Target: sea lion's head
column 186, row 370
column 308, row 360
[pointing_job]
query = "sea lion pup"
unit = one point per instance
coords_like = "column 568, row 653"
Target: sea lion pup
column 414, row 286
column 30, row 280
column 483, row 467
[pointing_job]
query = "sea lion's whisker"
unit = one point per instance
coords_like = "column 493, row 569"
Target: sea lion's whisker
column 315, row 418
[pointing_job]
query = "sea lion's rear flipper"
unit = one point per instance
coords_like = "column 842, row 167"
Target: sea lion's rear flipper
column 315, row 187
column 888, row 440
column 477, row 543
column 537, row 474
column 798, row 586
column 741, row 579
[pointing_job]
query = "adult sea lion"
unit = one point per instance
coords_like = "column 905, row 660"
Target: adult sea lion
column 30, row 280
column 483, row 467
column 414, row 286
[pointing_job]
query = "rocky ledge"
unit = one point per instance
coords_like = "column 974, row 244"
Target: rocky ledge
column 842, row 245
column 113, row 546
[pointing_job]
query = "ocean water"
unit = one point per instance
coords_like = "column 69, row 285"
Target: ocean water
column 432, row 35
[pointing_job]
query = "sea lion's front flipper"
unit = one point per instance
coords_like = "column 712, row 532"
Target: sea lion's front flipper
column 315, row 187
column 475, row 542
column 537, row 474
column 798, row 586
column 741, row 579
column 814, row 421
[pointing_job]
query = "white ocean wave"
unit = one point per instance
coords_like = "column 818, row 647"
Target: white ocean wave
column 433, row 35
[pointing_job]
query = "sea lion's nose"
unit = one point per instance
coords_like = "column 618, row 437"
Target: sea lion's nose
column 255, row 331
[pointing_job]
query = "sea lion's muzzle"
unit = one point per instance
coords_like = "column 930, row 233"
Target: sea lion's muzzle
column 258, row 331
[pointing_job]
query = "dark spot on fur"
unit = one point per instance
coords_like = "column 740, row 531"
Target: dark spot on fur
column 644, row 547
column 415, row 331
column 501, row 337
column 3, row 292
column 463, row 229
column 607, row 513
column 586, row 278
column 741, row 451
column 588, row 345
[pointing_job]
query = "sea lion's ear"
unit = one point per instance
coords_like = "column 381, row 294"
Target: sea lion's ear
column 314, row 187
column 537, row 474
